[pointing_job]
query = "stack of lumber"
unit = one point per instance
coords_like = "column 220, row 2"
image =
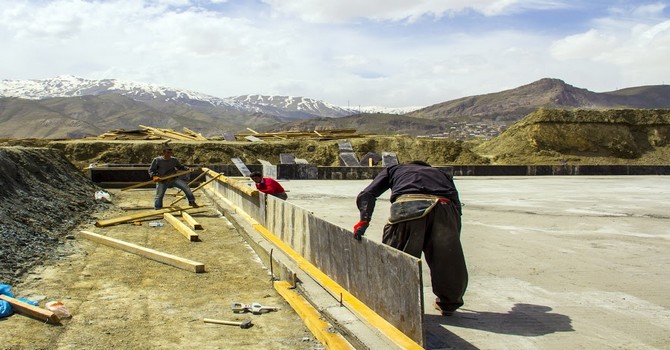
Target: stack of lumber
column 188, row 134
column 150, row 133
column 121, row 134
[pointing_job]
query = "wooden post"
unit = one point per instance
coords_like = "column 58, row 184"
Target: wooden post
column 181, row 227
column 191, row 221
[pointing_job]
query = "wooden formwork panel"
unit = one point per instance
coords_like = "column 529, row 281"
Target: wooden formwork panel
column 385, row 279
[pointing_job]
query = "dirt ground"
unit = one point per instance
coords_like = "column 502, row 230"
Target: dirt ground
column 125, row 301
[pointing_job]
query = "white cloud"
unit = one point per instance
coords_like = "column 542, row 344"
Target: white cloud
column 398, row 10
column 633, row 42
column 307, row 48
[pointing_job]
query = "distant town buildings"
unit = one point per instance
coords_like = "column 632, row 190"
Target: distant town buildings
column 470, row 130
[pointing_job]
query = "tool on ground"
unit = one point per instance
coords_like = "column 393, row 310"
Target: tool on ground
column 244, row 324
column 255, row 308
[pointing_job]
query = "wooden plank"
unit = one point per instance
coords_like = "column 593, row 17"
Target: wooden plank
column 181, row 173
column 249, row 191
column 142, row 215
column 197, row 188
column 345, row 146
column 168, row 259
column 190, row 221
column 181, row 227
column 198, row 136
column 168, row 133
column 31, row 311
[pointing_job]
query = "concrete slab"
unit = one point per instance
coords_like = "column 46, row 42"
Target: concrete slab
column 555, row 262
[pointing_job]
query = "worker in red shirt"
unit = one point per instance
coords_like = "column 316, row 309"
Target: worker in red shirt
column 268, row 185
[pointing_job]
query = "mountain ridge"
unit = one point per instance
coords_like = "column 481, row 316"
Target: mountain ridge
column 511, row 105
column 71, row 107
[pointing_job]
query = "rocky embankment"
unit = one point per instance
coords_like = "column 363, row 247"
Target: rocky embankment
column 42, row 197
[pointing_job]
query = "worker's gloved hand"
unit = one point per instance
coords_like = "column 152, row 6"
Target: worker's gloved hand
column 156, row 178
column 359, row 229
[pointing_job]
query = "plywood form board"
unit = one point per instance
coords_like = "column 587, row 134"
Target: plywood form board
column 386, row 279
column 289, row 223
column 345, row 146
column 389, row 159
column 241, row 166
column 376, row 158
column 349, row 159
column 269, row 170
column 286, row 158
column 229, row 136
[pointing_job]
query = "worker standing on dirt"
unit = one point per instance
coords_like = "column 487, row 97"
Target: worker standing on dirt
column 268, row 185
column 163, row 166
column 425, row 216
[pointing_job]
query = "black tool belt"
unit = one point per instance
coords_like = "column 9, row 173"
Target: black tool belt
column 413, row 206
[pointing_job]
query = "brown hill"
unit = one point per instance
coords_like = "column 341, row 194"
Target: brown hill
column 509, row 106
column 76, row 117
column 626, row 136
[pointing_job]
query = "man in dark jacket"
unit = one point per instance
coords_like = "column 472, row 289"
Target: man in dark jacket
column 167, row 165
column 425, row 217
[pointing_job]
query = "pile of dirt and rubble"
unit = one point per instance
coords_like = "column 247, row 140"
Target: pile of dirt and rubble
column 42, row 196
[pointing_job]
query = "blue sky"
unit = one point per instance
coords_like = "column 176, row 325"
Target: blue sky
column 389, row 53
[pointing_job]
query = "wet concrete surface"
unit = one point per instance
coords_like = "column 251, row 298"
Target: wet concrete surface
column 555, row 262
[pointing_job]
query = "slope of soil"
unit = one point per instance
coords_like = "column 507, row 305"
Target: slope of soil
column 42, row 197
column 584, row 137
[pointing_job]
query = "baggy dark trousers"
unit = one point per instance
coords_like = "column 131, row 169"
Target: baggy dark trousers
column 437, row 235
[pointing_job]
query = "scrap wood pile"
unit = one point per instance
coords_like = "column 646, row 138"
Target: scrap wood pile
column 324, row 135
column 150, row 133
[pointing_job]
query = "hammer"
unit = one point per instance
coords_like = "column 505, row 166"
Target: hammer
column 244, row 324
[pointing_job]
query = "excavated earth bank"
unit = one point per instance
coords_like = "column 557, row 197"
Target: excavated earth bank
column 42, row 196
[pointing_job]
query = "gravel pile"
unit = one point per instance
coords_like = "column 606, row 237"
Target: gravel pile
column 42, row 198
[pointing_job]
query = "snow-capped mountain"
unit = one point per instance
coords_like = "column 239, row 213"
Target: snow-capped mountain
column 70, row 86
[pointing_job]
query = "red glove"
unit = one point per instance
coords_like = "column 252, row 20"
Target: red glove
column 156, row 178
column 359, row 229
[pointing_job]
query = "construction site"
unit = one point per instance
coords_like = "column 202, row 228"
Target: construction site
column 559, row 256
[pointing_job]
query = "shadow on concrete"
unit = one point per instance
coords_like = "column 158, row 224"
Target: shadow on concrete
column 523, row 319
